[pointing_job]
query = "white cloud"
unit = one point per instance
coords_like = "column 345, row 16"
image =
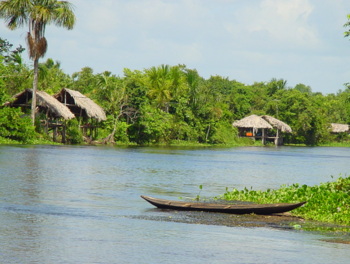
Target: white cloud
column 97, row 16
column 284, row 24
column 249, row 41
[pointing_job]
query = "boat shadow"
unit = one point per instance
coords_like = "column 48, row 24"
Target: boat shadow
column 280, row 221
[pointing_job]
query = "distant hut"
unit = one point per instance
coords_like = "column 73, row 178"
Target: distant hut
column 47, row 105
column 339, row 128
column 83, row 108
column 279, row 126
column 253, row 126
column 256, row 126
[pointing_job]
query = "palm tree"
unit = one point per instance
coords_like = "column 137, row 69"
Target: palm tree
column 160, row 85
column 347, row 25
column 37, row 14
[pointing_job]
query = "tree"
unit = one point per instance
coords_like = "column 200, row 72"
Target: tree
column 276, row 85
column 303, row 88
column 347, row 24
column 51, row 78
column 111, row 92
column 14, row 74
column 85, row 81
column 37, row 14
column 305, row 114
column 10, row 56
column 159, row 85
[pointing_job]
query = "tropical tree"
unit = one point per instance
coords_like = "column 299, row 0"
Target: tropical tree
column 347, row 25
column 85, row 81
column 37, row 14
column 51, row 77
column 14, row 74
column 159, row 86
column 111, row 92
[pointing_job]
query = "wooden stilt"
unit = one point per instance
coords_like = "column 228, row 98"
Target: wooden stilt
column 263, row 136
column 64, row 125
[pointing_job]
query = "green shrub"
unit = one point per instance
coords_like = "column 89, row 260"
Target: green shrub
column 73, row 132
column 224, row 133
column 15, row 126
column 121, row 134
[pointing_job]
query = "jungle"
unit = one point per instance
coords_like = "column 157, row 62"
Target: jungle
column 170, row 105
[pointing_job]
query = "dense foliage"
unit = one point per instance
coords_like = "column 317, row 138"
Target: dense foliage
column 327, row 202
column 166, row 104
column 15, row 127
column 36, row 14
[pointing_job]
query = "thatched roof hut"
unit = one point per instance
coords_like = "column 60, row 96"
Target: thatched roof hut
column 278, row 124
column 45, row 102
column 252, row 121
column 339, row 128
column 249, row 126
column 80, row 105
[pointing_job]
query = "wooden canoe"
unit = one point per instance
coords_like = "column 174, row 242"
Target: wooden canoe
column 261, row 209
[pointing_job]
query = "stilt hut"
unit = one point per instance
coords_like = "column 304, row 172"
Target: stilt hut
column 53, row 110
column 340, row 132
column 253, row 126
column 339, row 128
column 280, row 127
column 257, row 127
column 86, row 110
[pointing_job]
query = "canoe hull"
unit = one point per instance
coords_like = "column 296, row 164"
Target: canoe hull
column 261, row 209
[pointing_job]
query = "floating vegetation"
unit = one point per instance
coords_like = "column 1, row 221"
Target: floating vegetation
column 328, row 202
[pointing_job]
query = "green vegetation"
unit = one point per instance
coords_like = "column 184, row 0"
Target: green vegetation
column 174, row 105
column 163, row 104
column 36, row 14
column 15, row 127
column 347, row 25
column 169, row 105
column 327, row 202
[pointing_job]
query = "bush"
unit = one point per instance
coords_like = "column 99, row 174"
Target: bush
column 15, row 126
column 73, row 132
column 121, row 134
column 224, row 133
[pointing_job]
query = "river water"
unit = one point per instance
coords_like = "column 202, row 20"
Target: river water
column 73, row 204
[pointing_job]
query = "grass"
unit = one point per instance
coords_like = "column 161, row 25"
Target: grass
column 36, row 141
column 345, row 144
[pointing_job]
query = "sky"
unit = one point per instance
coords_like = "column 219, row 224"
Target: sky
column 300, row 41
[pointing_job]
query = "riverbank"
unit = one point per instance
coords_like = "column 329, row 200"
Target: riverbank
column 179, row 143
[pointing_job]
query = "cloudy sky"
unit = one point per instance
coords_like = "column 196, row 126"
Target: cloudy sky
column 300, row 41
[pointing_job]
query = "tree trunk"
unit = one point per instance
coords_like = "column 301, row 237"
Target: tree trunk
column 110, row 138
column 207, row 134
column 35, row 88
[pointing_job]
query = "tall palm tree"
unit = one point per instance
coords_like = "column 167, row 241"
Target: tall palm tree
column 37, row 14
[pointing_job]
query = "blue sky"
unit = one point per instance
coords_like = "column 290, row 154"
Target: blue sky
column 300, row 41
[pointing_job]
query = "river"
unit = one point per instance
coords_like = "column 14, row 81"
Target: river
column 81, row 204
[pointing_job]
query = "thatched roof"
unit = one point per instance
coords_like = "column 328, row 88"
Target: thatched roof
column 339, row 128
column 45, row 102
column 277, row 124
column 252, row 121
column 80, row 105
